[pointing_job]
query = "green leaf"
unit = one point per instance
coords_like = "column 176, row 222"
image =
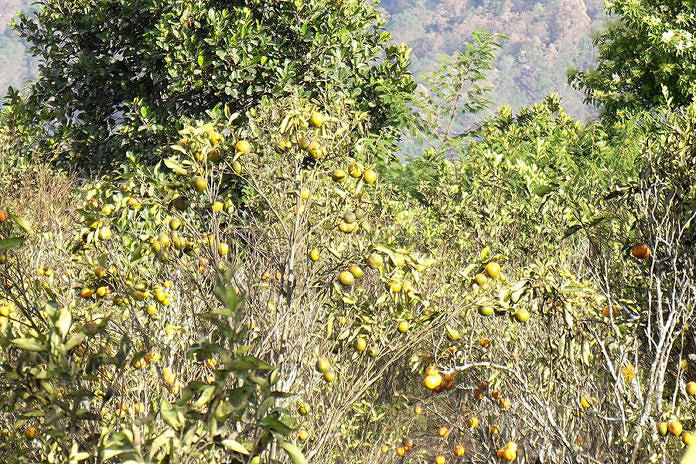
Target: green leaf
column 171, row 415
column 11, row 242
column 294, row 452
column 23, row 223
column 246, row 363
column 175, row 166
column 234, row 445
column 28, row 344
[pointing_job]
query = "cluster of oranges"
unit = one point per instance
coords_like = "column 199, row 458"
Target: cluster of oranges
column 509, row 452
column 437, row 382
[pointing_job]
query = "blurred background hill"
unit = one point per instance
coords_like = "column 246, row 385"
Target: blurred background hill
column 15, row 63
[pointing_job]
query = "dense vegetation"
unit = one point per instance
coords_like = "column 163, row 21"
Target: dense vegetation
column 210, row 251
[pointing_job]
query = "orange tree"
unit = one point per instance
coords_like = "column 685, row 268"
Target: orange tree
column 124, row 75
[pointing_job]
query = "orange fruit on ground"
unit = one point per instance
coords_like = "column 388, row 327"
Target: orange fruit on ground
column 407, row 443
column 640, row 251
column 439, row 459
column 459, row 450
column 691, row 388
column 443, row 431
column 483, row 386
column 3, row 215
column 493, row 270
column 675, row 427
column 472, row 422
column 400, row 451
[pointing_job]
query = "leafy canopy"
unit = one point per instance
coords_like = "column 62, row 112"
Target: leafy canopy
column 124, row 73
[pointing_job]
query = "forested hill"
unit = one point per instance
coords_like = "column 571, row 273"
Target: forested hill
column 15, row 64
column 545, row 39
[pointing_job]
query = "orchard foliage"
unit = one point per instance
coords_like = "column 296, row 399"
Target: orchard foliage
column 254, row 282
column 123, row 74
column 646, row 59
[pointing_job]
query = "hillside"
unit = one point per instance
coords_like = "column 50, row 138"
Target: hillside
column 15, row 65
column 545, row 40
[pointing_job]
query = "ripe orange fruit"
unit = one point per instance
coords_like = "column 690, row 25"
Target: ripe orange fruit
column 355, row 170
column 688, row 438
column 459, row 450
column 432, row 381
column 375, row 261
column 3, row 215
column 407, row 443
column 243, row 147
column 640, row 251
column 431, row 370
column 509, row 455
column 102, row 291
column 303, row 435
column 609, row 310
column 31, row 432
column 443, row 431
column 494, row 429
column 418, row 410
column 322, row 365
column 583, row 402
column 86, row 293
column 485, row 310
column 662, row 428
column 168, row 376
column 384, row 448
column 314, row 255
column 478, row 394
column 316, row 119
column 400, row 451
column 403, row 326
column 691, row 388
column 303, row 409
column 473, row 422
column 439, row 459
column 504, row 403
column 522, row 315
column 485, row 342
column 329, row 376
column 448, row 378
column 198, row 183
column 346, row 278
column 356, row 271
column 493, row 270
column 495, row 394
column 369, row 176
column 675, row 427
